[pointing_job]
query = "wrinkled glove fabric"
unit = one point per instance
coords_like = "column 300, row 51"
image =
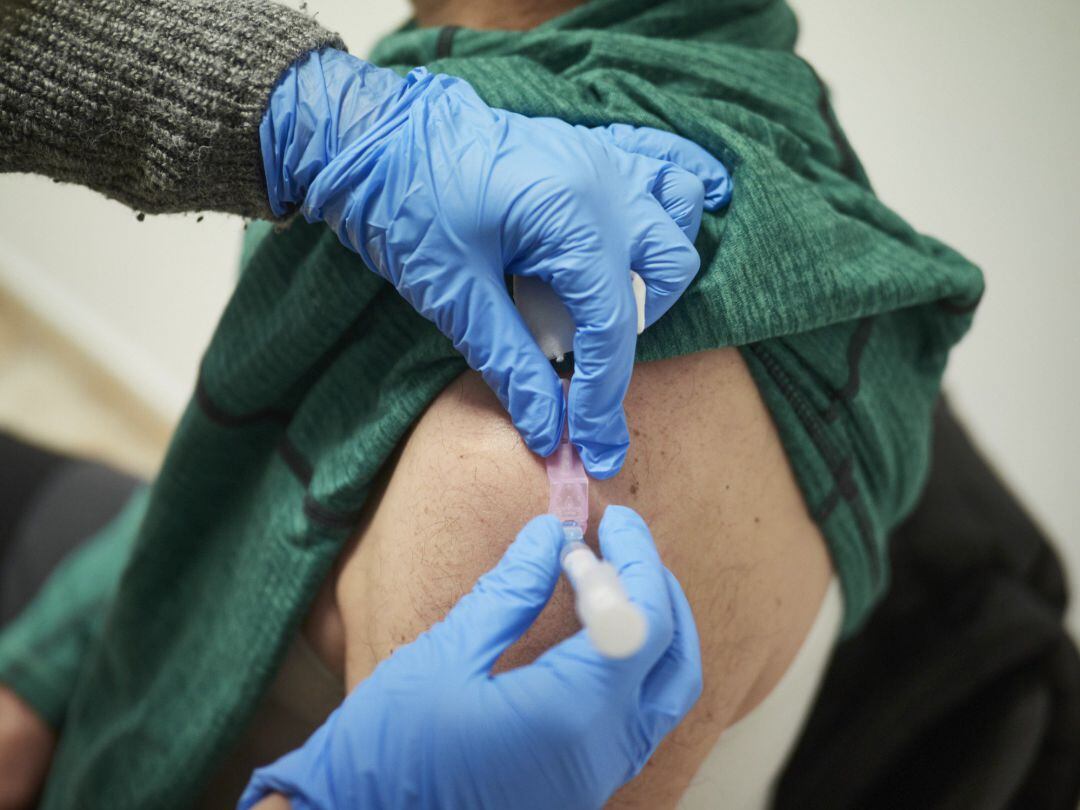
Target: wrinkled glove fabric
column 441, row 195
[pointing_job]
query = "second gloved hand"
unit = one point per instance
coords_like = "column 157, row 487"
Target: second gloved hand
column 442, row 195
column 432, row 728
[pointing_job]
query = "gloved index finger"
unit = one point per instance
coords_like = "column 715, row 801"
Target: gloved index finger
column 480, row 318
column 675, row 683
column 599, row 295
column 627, row 543
column 662, row 254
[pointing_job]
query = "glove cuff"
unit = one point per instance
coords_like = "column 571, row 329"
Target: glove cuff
column 320, row 106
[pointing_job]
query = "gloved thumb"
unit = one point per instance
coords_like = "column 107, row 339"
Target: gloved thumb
column 507, row 599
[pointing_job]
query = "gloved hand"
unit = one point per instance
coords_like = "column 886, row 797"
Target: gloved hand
column 442, row 195
column 431, row 728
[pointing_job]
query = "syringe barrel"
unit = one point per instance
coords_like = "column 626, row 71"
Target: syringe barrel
column 615, row 625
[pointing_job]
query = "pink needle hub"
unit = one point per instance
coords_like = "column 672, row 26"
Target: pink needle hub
column 568, row 484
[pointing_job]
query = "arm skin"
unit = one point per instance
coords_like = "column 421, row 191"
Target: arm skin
column 706, row 471
column 275, row 801
column 26, row 746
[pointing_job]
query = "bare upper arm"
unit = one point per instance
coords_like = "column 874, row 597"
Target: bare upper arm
column 706, row 470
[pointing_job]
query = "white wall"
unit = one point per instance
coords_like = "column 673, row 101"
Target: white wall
column 965, row 112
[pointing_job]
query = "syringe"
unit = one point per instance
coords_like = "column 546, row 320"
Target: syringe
column 614, row 624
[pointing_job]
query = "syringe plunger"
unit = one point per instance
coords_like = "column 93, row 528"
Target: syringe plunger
column 615, row 625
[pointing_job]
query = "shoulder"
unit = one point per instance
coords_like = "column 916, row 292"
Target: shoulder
column 707, row 471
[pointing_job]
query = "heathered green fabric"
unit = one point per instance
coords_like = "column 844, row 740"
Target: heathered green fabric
column 844, row 315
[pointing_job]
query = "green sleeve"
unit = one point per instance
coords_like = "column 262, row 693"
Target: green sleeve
column 42, row 651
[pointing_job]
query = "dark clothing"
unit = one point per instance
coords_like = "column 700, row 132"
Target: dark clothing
column 49, row 504
column 963, row 690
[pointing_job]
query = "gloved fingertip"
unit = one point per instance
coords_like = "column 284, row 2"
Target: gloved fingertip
column 545, row 527
column 718, row 191
column 702, row 163
column 544, row 443
column 602, row 464
column 541, row 539
column 541, row 423
column 624, row 535
column 618, row 517
column 656, row 306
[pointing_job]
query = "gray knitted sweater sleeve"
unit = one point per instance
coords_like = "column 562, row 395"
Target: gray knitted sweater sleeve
column 156, row 103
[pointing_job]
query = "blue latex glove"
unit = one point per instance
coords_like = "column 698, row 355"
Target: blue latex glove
column 431, row 728
column 442, row 195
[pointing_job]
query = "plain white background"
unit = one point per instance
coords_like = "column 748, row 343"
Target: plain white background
column 964, row 112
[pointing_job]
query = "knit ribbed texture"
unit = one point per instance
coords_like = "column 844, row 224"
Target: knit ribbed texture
column 155, row 103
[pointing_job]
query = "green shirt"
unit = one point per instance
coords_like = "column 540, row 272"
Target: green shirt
column 843, row 313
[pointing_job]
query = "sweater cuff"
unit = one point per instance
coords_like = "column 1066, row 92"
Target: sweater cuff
column 156, row 103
